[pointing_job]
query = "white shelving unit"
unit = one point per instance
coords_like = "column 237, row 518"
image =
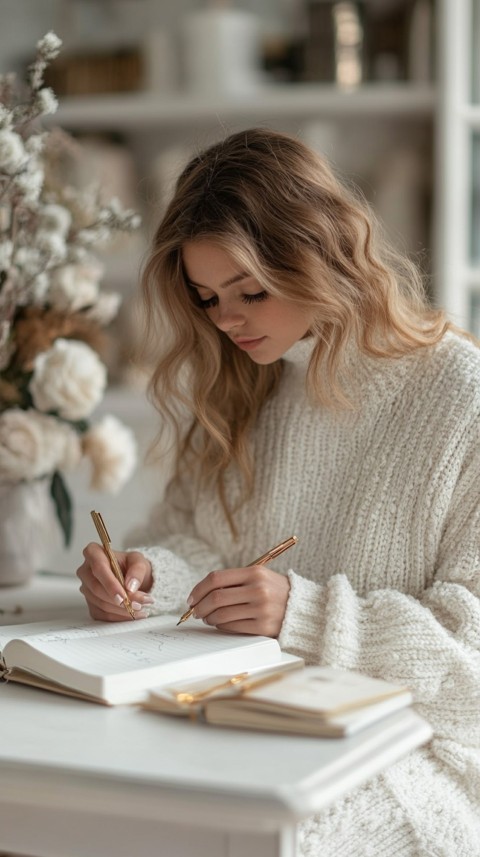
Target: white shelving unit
column 305, row 101
column 367, row 122
column 458, row 281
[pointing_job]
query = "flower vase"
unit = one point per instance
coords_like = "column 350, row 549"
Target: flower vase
column 30, row 533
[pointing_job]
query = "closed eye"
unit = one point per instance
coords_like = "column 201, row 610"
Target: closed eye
column 250, row 299
column 246, row 299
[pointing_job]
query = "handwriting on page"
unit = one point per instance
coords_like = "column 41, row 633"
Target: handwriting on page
column 59, row 630
column 124, row 652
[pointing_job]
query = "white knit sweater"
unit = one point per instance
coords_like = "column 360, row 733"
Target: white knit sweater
column 385, row 578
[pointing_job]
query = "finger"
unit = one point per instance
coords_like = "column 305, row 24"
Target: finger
column 244, row 626
column 220, row 599
column 98, row 563
column 100, row 608
column 219, row 580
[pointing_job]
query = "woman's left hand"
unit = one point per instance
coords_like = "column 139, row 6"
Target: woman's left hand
column 248, row 600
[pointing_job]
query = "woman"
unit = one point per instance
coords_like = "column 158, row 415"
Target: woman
column 321, row 397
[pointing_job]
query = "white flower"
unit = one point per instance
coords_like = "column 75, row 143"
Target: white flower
column 6, row 117
column 93, row 235
column 28, row 260
column 33, row 445
column 12, row 152
column 55, row 218
column 105, row 308
column 69, row 379
column 45, row 101
column 39, row 288
column 49, row 45
column 75, row 286
column 6, row 250
column 30, row 181
column 35, row 144
column 111, row 447
column 52, row 245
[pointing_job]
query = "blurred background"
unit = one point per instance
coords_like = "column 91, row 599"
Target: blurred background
column 388, row 90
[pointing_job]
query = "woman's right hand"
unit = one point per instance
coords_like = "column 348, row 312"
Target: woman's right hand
column 103, row 593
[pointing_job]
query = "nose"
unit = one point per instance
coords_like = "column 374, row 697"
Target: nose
column 228, row 317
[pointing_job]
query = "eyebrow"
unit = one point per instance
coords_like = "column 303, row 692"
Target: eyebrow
column 235, row 279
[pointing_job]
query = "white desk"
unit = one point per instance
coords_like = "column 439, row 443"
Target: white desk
column 77, row 779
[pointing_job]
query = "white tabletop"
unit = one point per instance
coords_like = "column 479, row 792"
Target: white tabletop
column 150, row 767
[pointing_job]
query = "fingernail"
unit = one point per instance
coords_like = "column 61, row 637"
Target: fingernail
column 189, row 600
column 133, row 584
column 149, row 600
column 141, row 615
column 118, row 599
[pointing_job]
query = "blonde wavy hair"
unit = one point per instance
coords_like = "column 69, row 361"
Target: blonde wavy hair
column 278, row 209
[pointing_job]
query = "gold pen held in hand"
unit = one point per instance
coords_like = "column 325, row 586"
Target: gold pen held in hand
column 265, row 557
column 105, row 539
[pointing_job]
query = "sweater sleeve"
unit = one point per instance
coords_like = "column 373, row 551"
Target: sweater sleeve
column 430, row 642
column 179, row 557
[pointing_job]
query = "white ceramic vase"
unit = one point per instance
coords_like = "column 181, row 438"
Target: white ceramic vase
column 30, row 533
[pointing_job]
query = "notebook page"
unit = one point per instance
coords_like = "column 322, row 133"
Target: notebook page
column 59, row 629
column 142, row 648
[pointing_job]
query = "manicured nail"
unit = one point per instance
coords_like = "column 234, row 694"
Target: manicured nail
column 142, row 614
column 133, row 584
column 189, row 600
column 136, row 605
column 118, row 599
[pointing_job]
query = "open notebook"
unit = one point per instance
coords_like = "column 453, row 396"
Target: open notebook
column 116, row 663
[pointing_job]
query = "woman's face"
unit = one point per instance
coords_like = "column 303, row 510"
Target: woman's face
column 262, row 325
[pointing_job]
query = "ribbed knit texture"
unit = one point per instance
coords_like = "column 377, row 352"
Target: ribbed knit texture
column 385, row 578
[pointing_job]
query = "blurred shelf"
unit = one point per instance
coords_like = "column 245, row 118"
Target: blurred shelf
column 141, row 111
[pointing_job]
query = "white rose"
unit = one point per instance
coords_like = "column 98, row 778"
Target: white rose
column 69, row 379
column 33, row 445
column 12, row 152
column 105, row 308
column 75, row 286
column 112, row 449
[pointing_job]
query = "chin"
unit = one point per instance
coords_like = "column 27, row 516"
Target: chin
column 265, row 359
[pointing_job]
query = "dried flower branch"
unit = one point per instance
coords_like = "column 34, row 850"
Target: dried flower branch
column 51, row 306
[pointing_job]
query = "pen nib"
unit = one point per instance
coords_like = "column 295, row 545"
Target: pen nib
column 185, row 616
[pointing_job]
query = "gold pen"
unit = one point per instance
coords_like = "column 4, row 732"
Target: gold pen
column 265, row 557
column 105, row 539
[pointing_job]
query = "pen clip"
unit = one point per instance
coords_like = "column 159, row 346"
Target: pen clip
column 185, row 697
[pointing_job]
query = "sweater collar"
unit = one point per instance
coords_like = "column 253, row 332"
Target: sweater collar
column 300, row 352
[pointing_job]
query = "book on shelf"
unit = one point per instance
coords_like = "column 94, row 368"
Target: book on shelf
column 317, row 701
column 116, row 663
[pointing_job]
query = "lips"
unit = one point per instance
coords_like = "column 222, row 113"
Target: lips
column 246, row 344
